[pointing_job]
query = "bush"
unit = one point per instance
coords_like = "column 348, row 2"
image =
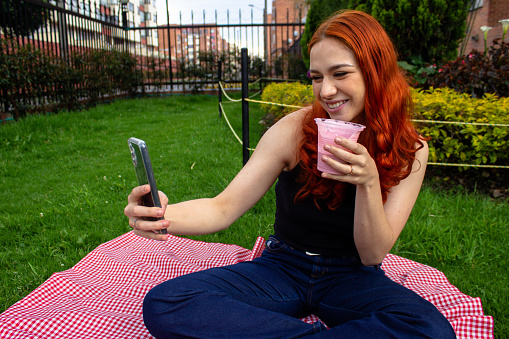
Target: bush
column 471, row 144
column 450, row 143
column 35, row 80
column 429, row 30
column 295, row 94
column 477, row 73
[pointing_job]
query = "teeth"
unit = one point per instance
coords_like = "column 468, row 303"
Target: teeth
column 336, row 105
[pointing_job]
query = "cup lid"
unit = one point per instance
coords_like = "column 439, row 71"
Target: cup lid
column 332, row 123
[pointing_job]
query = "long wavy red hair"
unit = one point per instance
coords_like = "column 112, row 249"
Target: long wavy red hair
column 389, row 137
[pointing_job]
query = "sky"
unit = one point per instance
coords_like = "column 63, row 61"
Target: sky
column 210, row 6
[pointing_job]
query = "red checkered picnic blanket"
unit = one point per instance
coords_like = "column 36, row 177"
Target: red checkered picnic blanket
column 101, row 296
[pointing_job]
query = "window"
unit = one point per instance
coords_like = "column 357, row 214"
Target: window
column 147, row 16
column 476, row 4
column 130, row 6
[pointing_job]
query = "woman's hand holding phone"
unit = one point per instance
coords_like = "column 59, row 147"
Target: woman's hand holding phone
column 139, row 214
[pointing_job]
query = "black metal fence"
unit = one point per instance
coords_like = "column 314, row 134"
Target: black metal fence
column 171, row 58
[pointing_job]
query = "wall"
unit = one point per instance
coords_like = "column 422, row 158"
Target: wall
column 488, row 14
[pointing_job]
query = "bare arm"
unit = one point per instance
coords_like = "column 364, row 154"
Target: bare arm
column 275, row 151
column 377, row 226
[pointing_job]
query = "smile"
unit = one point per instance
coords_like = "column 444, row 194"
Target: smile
column 336, row 105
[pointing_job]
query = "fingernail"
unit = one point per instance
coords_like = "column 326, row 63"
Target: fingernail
column 326, row 147
column 337, row 140
column 159, row 213
column 325, row 158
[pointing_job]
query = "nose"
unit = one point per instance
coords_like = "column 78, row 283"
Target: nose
column 328, row 89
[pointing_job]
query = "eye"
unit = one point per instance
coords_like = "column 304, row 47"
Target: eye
column 339, row 74
column 316, row 77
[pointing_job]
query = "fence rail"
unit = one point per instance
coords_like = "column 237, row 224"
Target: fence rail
column 170, row 58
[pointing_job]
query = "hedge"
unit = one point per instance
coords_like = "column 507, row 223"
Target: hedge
column 35, row 80
column 450, row 143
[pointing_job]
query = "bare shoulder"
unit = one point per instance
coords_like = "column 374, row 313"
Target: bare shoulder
column 294, row 119
column 284, row 138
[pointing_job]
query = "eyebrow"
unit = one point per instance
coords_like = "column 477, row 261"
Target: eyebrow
column 333, row 68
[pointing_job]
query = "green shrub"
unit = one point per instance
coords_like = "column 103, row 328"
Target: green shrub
column 25, row 71
column 295, row 94
column 476, row 73
column 450, row 143
column 471, row 144
column 429, row 30
column 35, row 80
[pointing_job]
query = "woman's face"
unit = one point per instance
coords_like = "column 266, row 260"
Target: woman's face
column 338, row 83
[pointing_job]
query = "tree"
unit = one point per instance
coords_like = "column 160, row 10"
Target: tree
column 425, row 30
column 319, row 11
column 429, row 30
column 22, row 18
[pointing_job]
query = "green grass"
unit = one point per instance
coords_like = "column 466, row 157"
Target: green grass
column 65, row 178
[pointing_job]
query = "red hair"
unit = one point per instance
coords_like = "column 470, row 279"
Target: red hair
column 389, row 136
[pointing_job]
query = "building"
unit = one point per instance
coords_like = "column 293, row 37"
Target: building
column 188, row 42
column 285, row 11
column 184, row 44
column 485, row 13
column 137, row 13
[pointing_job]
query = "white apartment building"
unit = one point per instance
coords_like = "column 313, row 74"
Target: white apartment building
column 139, row 13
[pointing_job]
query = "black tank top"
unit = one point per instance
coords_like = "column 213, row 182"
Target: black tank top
column 305, row 227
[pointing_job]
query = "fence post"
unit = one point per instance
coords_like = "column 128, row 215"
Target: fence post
column 261, row 78
column 245, row 105
column 219, row 91
column 62, row 32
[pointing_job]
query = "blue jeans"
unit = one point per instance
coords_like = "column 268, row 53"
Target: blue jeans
column 265, row 298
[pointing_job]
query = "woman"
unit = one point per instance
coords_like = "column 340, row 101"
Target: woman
column 332, row 231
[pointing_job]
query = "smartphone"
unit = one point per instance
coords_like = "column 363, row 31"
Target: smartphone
column 145, row 174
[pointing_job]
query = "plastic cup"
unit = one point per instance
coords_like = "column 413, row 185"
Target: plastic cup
column 328, row 130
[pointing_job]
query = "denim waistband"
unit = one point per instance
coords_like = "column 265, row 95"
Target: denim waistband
column 276, row 245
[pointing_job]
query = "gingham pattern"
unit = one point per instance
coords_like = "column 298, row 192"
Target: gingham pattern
column 101, row 296
column 463, row 312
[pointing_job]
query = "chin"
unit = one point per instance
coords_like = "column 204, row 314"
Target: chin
column 338, row 116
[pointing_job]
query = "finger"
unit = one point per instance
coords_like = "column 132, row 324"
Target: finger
column 164, row 200
column 340, row 153
column 141, row 212
column 343, row 168
column 151, row 235
column 148, row 225
column 137, row 193
column 351, row 145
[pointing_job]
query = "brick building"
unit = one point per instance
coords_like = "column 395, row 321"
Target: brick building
column 485, row 13
column 188, row 42
column 285, row 11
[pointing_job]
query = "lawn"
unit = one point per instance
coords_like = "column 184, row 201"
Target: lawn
column 65, row 179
